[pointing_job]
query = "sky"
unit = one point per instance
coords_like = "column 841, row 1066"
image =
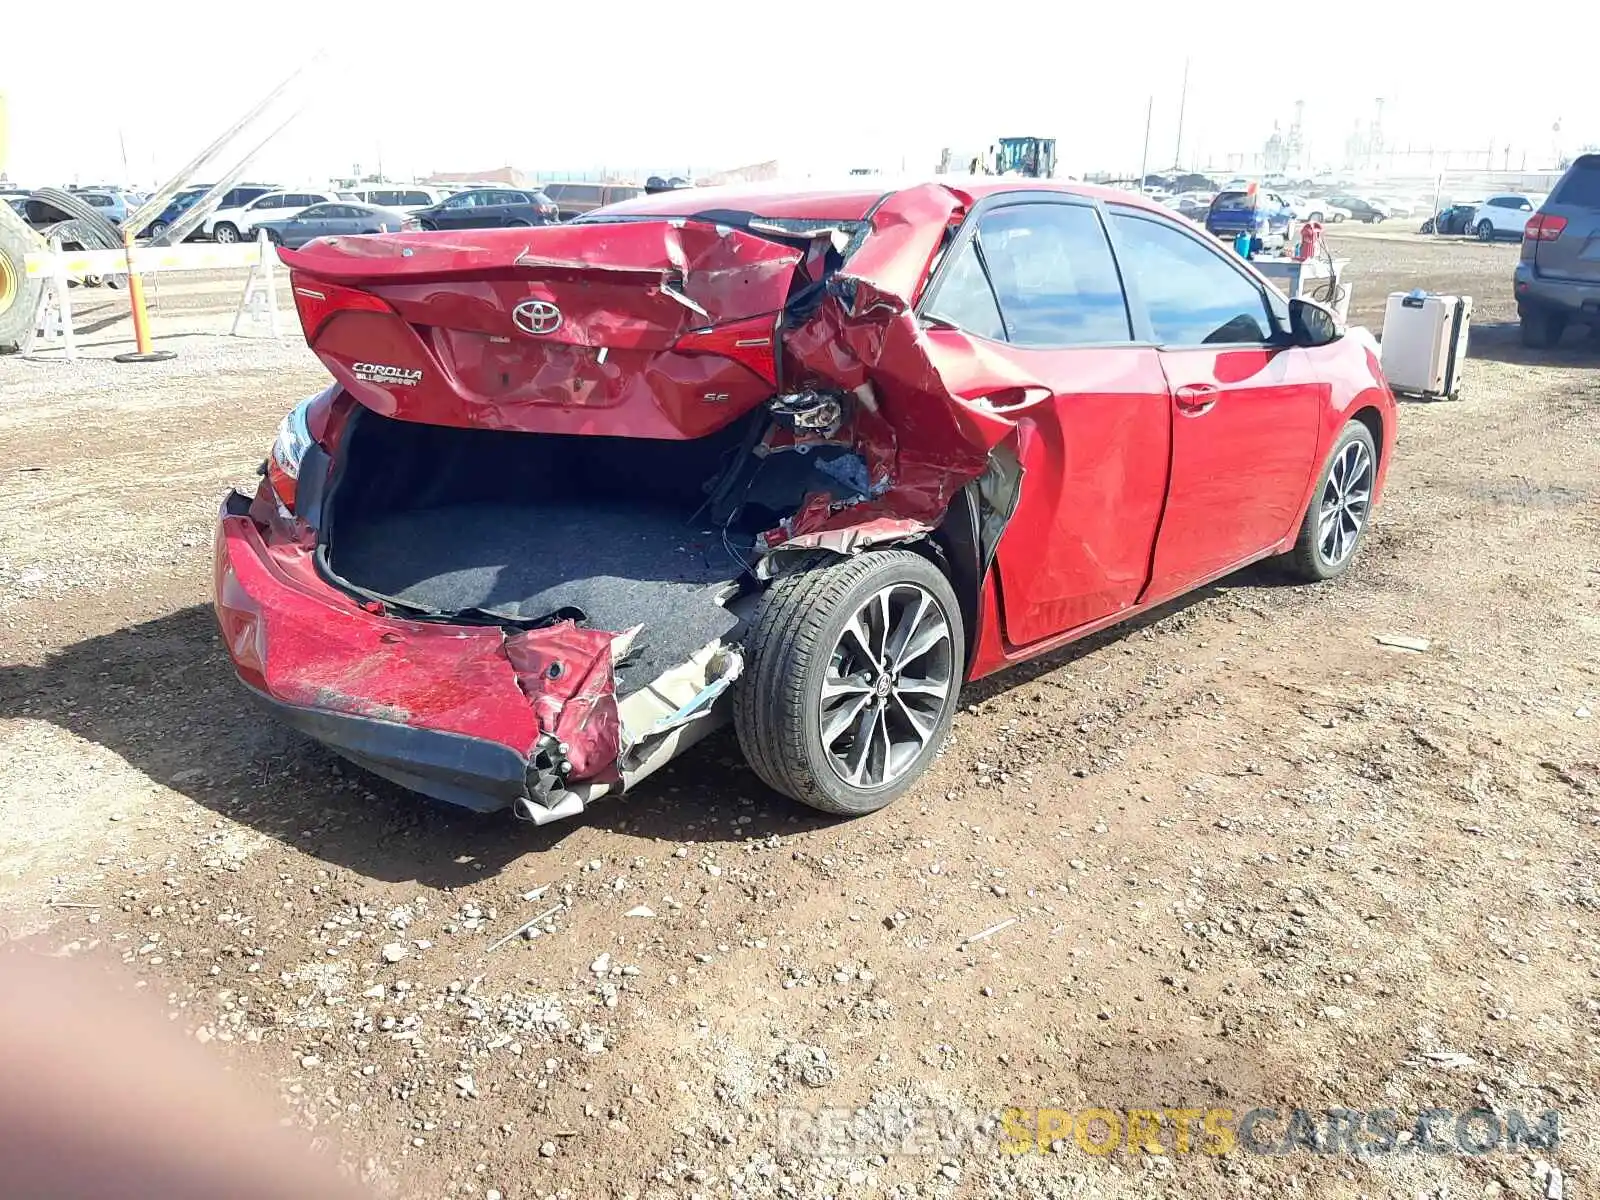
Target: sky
column 822, row 87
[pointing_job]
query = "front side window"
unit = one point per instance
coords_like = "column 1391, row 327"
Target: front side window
column 1193, row 295
column 1053, row 275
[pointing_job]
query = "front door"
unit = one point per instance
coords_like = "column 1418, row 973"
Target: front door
column 1245, row 407
column 1028, row 316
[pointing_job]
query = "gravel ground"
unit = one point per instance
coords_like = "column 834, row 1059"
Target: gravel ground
column 1238, row 854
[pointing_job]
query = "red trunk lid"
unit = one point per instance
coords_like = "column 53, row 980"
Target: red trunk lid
column 587, row 328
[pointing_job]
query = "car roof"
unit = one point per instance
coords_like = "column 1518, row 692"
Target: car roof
column 848, row 201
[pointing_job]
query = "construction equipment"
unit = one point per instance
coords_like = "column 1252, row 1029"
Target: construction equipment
column 1030, row 157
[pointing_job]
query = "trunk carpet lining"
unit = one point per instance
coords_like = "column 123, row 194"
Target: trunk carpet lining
column 623, row 565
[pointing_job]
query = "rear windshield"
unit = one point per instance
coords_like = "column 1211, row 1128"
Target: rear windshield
column 778, row 228
column 1233, row 200
column 1582, row 183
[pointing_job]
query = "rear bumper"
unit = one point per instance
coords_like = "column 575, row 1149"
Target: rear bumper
column 470, row 772
column 460, row 713
column 1571, row 296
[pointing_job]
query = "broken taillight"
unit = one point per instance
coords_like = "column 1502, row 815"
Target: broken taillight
column 317, row 301
column 751, row 343
column 297, row 432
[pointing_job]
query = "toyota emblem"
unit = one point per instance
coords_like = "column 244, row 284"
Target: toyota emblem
column 537, row 316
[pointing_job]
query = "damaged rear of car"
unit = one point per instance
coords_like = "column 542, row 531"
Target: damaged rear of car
column 581, row 493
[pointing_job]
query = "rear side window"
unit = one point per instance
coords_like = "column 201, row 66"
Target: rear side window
column 1581, row 185
column 1194, row 296
column 1054, row 276
column 965, row 298
column 613, row 194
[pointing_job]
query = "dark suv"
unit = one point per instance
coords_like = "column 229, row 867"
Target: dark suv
column 575, row 199
column 487, row 208
column 1558, row 278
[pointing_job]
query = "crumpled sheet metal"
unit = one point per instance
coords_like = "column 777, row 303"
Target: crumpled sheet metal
column 317, row 646
column 725, row 272
column 566, row 674
column 865, row 338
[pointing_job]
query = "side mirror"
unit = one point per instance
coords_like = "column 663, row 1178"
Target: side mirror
column 1312, row 324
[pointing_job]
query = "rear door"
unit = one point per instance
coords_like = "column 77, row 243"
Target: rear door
column 1573, row 252
column 1245, row 410
column 1028, row 315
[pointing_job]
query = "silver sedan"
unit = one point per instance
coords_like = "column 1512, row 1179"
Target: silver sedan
column 326, row 220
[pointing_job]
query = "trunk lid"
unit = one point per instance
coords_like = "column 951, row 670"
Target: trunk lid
column 650, row 328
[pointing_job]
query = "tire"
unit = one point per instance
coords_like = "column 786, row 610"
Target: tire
column 1316, row 216
column 74, row 209
column 1485, row 231
column 1427, row 226
column 1541, row 328
column 157, row 228
column 1324, row 549
column 224, row 233
column 19, row 295
column 801, row 641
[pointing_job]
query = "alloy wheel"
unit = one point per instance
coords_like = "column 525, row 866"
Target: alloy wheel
column 888, row 681
column 1346, row 500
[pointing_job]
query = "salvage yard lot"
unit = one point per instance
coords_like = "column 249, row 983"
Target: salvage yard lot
column 1250, row 855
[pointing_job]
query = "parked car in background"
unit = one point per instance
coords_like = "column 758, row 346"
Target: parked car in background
column 235, row 197
column 404, row 197
column 545, row 564
column 1397, row 206
column 1504, row 215
column 1315, row 209
column 575, row 199
column 328, row 220
column 1189, row 206
column 1263, row 214
column 112, row 205
column 232, row 224
column 1455, row 219
column 488, row 208
column 1368, row 212
column 1557, row 280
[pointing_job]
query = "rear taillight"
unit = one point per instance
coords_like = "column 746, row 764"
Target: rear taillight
column 297, row 432
column 750, row 343
column 1543, row 227
column 317, row 301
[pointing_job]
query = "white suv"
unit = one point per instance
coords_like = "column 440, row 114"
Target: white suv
column 402, row 197
column 232, row 224
column 1504, row 216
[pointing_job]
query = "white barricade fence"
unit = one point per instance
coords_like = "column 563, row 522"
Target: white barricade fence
column 258, row 304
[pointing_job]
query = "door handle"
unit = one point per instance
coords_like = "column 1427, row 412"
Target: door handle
column 1193, row 399
column 1006, row 399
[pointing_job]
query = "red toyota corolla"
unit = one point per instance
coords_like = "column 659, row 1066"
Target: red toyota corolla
column 805, row 459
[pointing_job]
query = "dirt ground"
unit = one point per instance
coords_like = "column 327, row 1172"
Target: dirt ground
column 1249, row 855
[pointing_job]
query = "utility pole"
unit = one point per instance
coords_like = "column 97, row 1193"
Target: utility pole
column 1144, row 159
column 1183, row 102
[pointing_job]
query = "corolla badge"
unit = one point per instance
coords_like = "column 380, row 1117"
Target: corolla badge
column 536, row 316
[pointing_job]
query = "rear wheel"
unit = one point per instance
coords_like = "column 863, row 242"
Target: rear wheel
column 1339, row 509
column 157, row 228
column 224, row 233
column 854, row 671
column 1485, row 231
column 1541, row 328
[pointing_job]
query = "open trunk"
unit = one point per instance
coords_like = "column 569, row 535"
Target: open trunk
column 529, row 529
